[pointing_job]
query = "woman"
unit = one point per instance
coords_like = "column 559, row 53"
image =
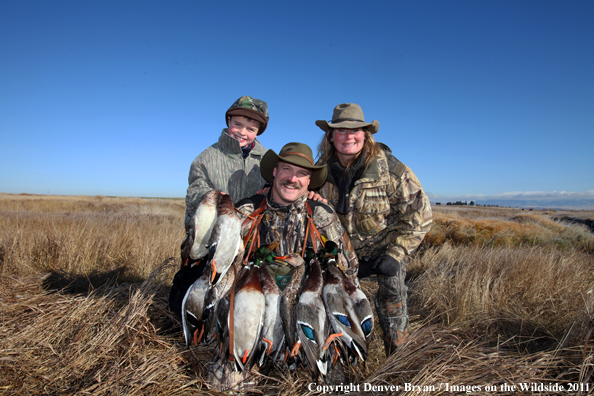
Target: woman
column 381, row 204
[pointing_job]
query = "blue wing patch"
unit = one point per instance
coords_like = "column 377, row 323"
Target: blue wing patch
column 366, row 326
column 343, row 319
column 308, row 331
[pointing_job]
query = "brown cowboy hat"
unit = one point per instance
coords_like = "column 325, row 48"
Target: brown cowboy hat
column 348, row 116
column 296, row 154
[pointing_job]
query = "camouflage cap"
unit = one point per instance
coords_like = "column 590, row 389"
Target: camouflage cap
column 348, row 116
column 296, row 154
column 252, row 108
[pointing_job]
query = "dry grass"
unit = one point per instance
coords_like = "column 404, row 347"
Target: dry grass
column 527, row 297
column 496, row 297
column 88, row 236
column 488, row 227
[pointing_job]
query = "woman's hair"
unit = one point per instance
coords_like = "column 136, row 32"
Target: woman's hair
column 326, row 148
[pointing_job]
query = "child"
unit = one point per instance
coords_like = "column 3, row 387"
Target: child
column 232, row 165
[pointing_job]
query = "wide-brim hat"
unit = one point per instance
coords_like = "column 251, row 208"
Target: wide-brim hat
column 252, row 108
column 296, row 154
column 348, row 116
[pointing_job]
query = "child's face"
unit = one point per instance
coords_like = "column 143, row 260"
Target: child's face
column 243, row 129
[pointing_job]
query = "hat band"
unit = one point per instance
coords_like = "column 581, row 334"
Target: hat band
column 346, row 119
column 299, row 154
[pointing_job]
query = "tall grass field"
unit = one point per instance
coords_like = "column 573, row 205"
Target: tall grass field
column 501, row 302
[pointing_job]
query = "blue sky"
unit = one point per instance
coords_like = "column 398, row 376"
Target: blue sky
column 478, row 98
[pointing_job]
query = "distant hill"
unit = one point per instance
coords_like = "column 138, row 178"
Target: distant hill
column 566, row 204
column 527, row 203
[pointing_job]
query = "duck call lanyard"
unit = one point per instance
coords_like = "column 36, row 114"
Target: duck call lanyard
column 311, row 230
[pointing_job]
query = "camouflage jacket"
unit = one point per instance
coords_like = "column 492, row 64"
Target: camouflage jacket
column 389, row 213
column 287, row 225
column 222, row 167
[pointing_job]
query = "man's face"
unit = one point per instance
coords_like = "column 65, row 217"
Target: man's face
column 243, row 129
column 290, row 182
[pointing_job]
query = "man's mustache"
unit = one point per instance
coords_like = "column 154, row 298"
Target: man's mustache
column 287, row 183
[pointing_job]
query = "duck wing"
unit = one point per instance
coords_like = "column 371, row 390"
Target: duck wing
column 192, row 308
column 221, row 313
column 312, row 328
column 361, row 307
column 214, row 294
column 341, row 313
column 248, row 315
column 290, row 297
column 202, row 224
column 225, row 240
column 273, row 333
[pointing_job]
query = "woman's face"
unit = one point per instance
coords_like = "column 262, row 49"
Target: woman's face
column 348, row 143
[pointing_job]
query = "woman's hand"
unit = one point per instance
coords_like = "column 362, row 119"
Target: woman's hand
column 314, row 196
column 382, row 265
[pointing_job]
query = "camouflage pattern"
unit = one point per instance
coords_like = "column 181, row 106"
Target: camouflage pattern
column 287, row 224
column 250, row 107
column 222, row 167
column 389, row 215
column 392, row 309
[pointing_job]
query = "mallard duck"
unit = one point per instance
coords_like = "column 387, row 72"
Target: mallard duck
column 264, row 254
column 195, row 245
column 312, row 328
column 290, row 296
column 192, row 309
column 215, row 293
column 221, row 313
column 246, row 317
column 328, row 254
column 341, row 313
column 362, row 308
column 225, row 240
column 273, row 334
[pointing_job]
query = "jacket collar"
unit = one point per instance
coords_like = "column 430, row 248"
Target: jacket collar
column 230, row 145
column 371, row 174
column 298, row 204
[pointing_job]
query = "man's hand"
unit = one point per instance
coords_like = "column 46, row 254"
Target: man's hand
column 314, row 196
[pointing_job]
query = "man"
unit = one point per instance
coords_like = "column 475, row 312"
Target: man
column 286, row 208
column 286, row 215
column 232, row 164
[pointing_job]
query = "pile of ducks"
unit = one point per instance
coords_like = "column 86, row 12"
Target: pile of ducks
column 320, row 319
